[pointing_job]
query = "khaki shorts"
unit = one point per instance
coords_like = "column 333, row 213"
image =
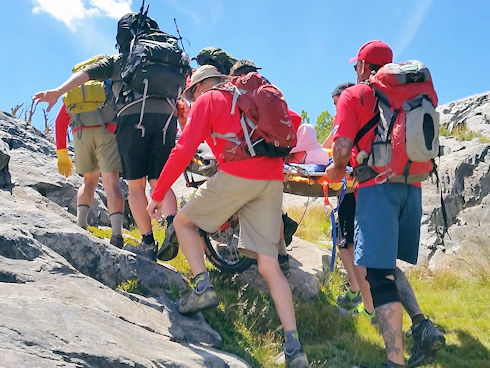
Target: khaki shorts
column 258, row 203
column 96, row 149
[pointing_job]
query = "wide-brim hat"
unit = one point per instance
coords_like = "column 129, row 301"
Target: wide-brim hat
column 200, row 74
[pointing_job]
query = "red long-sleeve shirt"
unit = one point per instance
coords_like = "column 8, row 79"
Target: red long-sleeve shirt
column 211, row 112
column 61, row 127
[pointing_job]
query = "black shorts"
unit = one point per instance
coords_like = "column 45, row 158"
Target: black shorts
column 144, row 156
column 347, row 212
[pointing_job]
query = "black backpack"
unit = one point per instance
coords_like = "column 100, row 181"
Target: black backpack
column 153, row 64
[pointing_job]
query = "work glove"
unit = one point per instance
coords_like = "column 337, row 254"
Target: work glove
column 64, row 162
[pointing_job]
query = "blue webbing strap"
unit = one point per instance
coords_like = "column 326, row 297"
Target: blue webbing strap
column 335, row 224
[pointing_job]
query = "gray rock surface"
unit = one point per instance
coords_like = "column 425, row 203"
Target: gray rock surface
column 33, row 163
column 4, row 165
column 465, row 184
column 58, row 300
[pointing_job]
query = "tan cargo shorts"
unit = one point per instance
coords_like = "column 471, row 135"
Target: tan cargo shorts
column 257, row 202
column 96, row 149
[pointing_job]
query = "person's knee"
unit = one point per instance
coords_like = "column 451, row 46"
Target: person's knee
column 180, row 221
column 383, row 287
column 90, row 182
column 267, row 266
column 110, row 181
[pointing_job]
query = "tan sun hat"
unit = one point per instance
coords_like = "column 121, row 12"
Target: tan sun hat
column 201, row 73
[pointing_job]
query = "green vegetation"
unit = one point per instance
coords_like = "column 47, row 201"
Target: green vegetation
column 462, row 133
column 323, row 125
column 133, row 286
column 247, row 321
column 314, row 225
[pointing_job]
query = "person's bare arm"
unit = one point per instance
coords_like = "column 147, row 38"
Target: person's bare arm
column 52, row 95
column 341, row 153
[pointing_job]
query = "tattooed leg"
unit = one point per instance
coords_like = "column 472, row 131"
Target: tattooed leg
column 407, row 296
column 389, row 317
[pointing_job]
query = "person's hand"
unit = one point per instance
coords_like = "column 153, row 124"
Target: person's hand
column 64, row 162
column 154, row 209
column 51, row 97
column 335, row 174
column 183, row 109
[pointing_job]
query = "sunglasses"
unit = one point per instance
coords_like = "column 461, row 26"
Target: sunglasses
column 356, row 64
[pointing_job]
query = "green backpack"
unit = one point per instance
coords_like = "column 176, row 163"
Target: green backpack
column 216, row 57
column 88, row 104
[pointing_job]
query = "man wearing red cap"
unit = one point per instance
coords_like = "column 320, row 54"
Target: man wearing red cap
column 387, row 219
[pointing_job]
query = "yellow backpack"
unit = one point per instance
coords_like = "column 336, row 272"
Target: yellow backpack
column 88, row 103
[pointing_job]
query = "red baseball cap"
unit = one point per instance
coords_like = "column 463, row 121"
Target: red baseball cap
column 374, row 52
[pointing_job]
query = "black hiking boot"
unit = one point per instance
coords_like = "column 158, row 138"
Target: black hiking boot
column 143, row 249
column 427, row 339
column 194, row 302
column 290, row 227
column 297, row 359
column 390, row 364
column 170, row 246
column 117, row 241
column 283, row 260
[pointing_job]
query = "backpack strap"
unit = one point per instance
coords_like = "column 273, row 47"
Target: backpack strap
column 366, row 128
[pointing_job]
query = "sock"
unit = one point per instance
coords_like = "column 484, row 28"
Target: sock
column 169, row 219
column 292, row 342
column 201, row 282
column 148, row 238
column 417, row 319
column 352, row 294
column 116, row 222
column 82, row 215
column 282, row 247
column 370, row 315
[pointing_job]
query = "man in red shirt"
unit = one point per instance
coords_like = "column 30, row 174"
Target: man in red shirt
column 387, row 219
column 251, row 187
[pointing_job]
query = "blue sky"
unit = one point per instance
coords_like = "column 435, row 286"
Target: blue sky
column 302, row 46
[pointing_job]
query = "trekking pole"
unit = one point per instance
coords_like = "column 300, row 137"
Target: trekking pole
column 180, row 38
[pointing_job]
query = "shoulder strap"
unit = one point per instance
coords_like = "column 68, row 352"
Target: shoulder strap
column 366, row 128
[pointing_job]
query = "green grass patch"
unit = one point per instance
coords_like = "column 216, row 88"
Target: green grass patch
column 314, row 225
column 462, row 133
column 247, row 321
column 134, row 286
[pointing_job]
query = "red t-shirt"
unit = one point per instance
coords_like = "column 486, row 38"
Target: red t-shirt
column 211, row 112
column 356, row 106
column 61, row 127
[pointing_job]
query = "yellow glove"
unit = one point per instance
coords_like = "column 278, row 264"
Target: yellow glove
column 64, row 162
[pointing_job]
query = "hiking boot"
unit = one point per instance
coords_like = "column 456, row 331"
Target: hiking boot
column 290, row 227
column 194, row 302
column 143, row 249
column 297, row 360
column 427, row 339
column 283, row 260
column 390, row 364
column 117, row 241
column 348, row 302
column 170, row 246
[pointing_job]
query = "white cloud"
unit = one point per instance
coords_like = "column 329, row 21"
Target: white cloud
column 73, row 12
column 412, row 26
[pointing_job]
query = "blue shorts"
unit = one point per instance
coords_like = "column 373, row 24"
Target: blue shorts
column 387, row 225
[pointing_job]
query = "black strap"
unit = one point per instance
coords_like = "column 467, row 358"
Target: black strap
column 407, row 170
column 366, row 128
